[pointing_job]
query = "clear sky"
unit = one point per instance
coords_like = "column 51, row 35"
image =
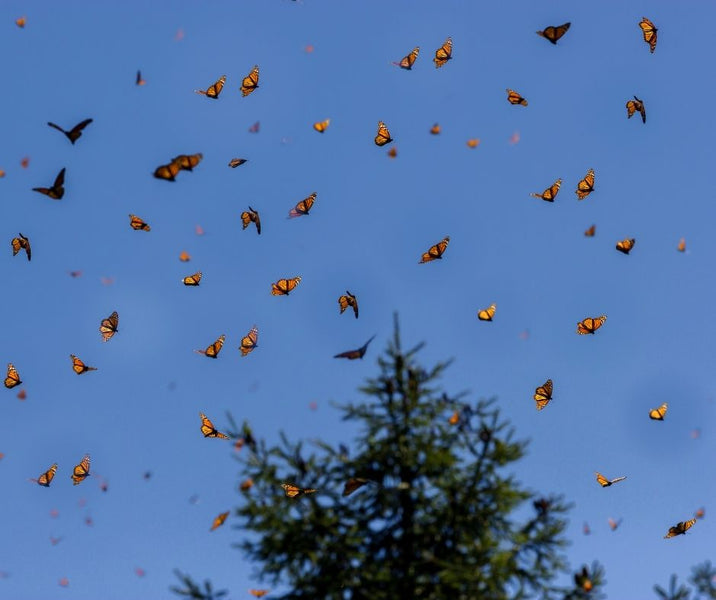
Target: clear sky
column 373, row 218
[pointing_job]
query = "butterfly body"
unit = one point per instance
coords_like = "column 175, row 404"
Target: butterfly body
column 57, row 190
column 75, row 133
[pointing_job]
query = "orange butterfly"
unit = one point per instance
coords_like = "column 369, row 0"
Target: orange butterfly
column 251, row 216
column 21, row 243
column 473, row 143
column 550, row 193
column 585, row 186
column 554, row 32
column 514, row 98
column 255, row 127
column 81, row 471
column 302, row 207
column 321, row 126
column 435, row 129
column 79, row 367
column 680, row 528
column 700, row 513
column 192, row 279
column 353, row 484
column 435, row 252
column 75, row 133
column 250, row 82
column 636, row 105
column 213, row 90
column 383, row 136
column 258, row 593
column 649, row 31
column 543, row 394
column 219, row 520
column 184, row 256
column 12, row 378
column 487, row 313
column 443, row 54
column 293, row 491
column 625, row 245
column 393, row 152
column 208, row 429
column 682, row 245
column 408, row 61
column 591, row 231
column 249, row 341
column 138, row 224
column 283, row 287
column 590, row 325
column 108, row 326
column 237, row 162
column 21, row 22
column 246, row 485
column 213, row 350
column 658, row 414
column 604, row 482
column 187, row 162
column 454, row 418
column 167, row 172
column 46, row 478
column 354, row 354
column 614, row 524
column 57, row 190
column 348, row 300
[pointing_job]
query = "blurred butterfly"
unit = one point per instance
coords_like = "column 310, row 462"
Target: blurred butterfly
column 167, row 172
column 198, row 229
column 454, row 418
column 250, row 82
column 2, row 173
column 25, row 162
column 435, row 252
column 21, row 22
column 138, row 224
column 46, row 478
column 237, row 162
column 487, row 313
column 108, row 326
column 614, row 524
column 79, row 367
column 208, row 429
column 255, row 127
column 56, row 540
column 590, row 325
column 649, row 31
column 249, row 341
column 682, row 245
column 12, row 379
column 64, row 582
column 57, row 190
column 550, row 193
column 187, row 162
column 283, row 287
column 543, row 394
column 22, row 395
column 700, row 513
column 258, row 593
column 184, row 256
column 179, row 35
column 354, row 354
column 680, row 528
column 75, row 133
column 473, row 143
column 383, row 136
column 139, row 80
column 219, row 520
column 321, row 126
column 514, row 138
column 246, row 485
column 585, row 186
column 302, row 207
column 213, row 350
column 81, row 471
column 514, row 98
column 139, row 572
column 21, row 243
column 251, row 216
column 443, row 54
column 591, row 231
column 353, row 484
column 604, row 482
column 214, row 90
column 636, row 105
column 293, row 491
column 585, row 529
column 348, row 300
column 625, row 245
column 554, row 32
column 192, row 280
column 393, row 152
column 435, row 129
column 658, row 414
column 407, row 61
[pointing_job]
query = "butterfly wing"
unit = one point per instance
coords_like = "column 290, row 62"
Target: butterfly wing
column 553, row 33
column 435, row 252
column 138, row 224
column 487, row 313
column 649, row 32
column 219, row 520
column 249, row 341
column 590, row 325
column 108, row 326
column 76, row 132
column 13, row 378
column 79, row 367
column 658, row 414
column 443, row 54
column 46, row 478
column 383, row 136
column 250, row 82
column 591, row 231
column 192, row 280
column 408, row 61
column 353, row 484
column 603, row 481
column 208, row 429
column 543, row 394
column 81, row 471
column 514, row 97
column 585, row 186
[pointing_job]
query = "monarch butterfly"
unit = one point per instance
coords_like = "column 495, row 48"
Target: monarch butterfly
column 585, row 186
column 353, row 484
column 108, row 326
column 139, row 80
column 237, row 162
column 487, row 313
column 20, row 22
column 258, row 593
column 681, row 247
column 21, row 243
column 383, row 136
column 590, row 324
column 187, row 162
column 393, row 152
column 192, row 279
column 435, row 129
column 255, row 127
column 249, row 341
column 321, row 126
column 348, row 300
column 353, row 354
column 214, row 90
column 550, row 193
column 554, row 32
column 251, row 216
column 604, row 482
column 46, row 478
column 658, row 414
column 250, row 82
column 543, row 394
column 454, row 418
column 636, row 105
column 208, row 429
column 443, row 54
column 81, row 471
column 614, row 524
column 649, row 31
column 680, row 528
column 12, row 379
column 167, row 172
column 57, row 190
column 514, row 98
column 473, row 143
column 213, row 350
column 407, row 61
column 283, row 287
column 246, row 485
column 184, row 256
column 302, row 207
column 700, row 513
column 79, row 367
column 75, row 133
column 624, row 246
column 293, row 491
column 591, row 231
column 138, row 224
column 219, row 520
column 435, row 251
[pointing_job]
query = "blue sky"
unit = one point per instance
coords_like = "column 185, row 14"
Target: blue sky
column 373, row 218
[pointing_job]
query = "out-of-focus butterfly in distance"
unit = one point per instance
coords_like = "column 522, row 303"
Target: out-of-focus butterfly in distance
column 585, row 529
column 213, row 90
column 192, row 280
column 407, row 61
column 251, row 216
column 590, row 324
column 22, row 395
column 283, row 287
column 554, row 32
column 249, row 341
column 107, row 280
column 2, row 173
column 543, row 394
column 237, row 162
column 443, row 54
column 79, row 367
column 353, row 484
column 604, row 482
column 515, row 138
column 348, row 300
column 454, row 418
column 255, row 127
column 179, row 35
column 680, row 528
column 208, row 429
column 700, row 513
column 140, row 80
column 393, row 152
column 354, row 354
column 695, row 433
column 303, row 207
column 212, row 351
column 486, row 314
column 139, row 572
column 435, row 252
column 658, row 414
column 184, row 256
column 46, row 478
column 321, row 126
column 55, row 540
column 473, row 142
column 258, row 593
column 682, row 245
column 246, row 485
column 624, row 246
column 64, row 582
column 21, row 22
column 187, row 162
column 649, row 30
column 591, row 231
column 514, row 97
column 198, row 229
column 550, row 193
column 614, row 524
column 57, row 190
column 138, row 224
column 293, row 491
column 75, row 133
column 219, row 520
column 81, row 471
column 383, row 136
column 250, row 82
column 21, row 243
column 25, row 162
column 74, row 274
column 308, row 48
column 435, row 129
column 13, row 378
column 585, row 186
column 108, row 327
column 635, row 105
column 167, row 172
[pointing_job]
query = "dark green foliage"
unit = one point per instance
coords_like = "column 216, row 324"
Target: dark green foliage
column 703, row 578
column 675, row 593
column 192, row 590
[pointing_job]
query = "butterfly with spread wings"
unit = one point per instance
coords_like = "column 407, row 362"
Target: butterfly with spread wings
column 219, row 520
column 251, row 216
column 283, row 287
column 486, row 314
column 613, row 525
column 658, row 414
column 443, row 54
column 208, row 429
column 680, row 528
column 590, row 324
column 81, row 471
column 435, row 129
column 383, row 136
column 604, row 482
column 213, row 90
column 625, row 246
column 249, row 341
column 348, row 300
column 57, row 190
column 408, row 61
column 543, row 394
column 321, row 126
column 550, row 193
column 108, row 327
column 212, row 351
column 75, row 133
column 258, row 593
column 237, row 162
column 590, row 231
column 21, row 243
column 79, row 367
column 293, row 491
column 187, row 162
column 514, row 97
column 192, row 280
column 250, row 82
column 435, row 252
column 303, row 207
column 167, row 172
column 635, row 105
column 552, row 33
column 354, row 354
column 585, row 186
column 138, row 224
column 12, row 378
column 649, row 30
column 46, row 478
